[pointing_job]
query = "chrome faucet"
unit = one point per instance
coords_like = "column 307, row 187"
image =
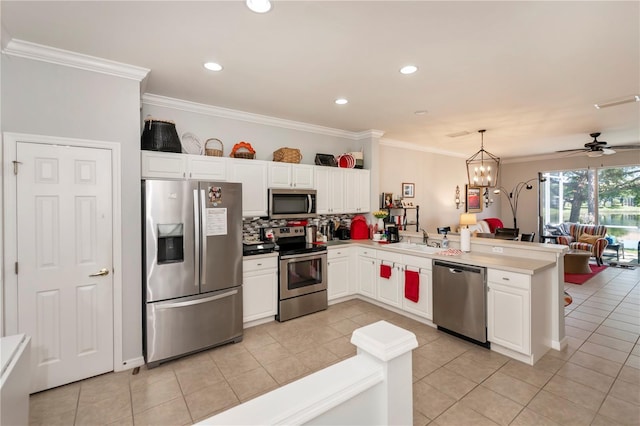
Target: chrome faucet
column 425, row 236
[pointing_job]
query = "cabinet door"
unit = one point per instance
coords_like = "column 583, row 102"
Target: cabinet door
column 508, row 317
column 163, row 165
column 338, row 279
column 202, row 167
column 389, row 288
column 302, row 176
column 424, row 306
column 336, row 191
column 280, row 175
column 367, row 276
column 253, row 176
column 352, row 191
column 322, row 189
column 364, row 177
column 260, row 294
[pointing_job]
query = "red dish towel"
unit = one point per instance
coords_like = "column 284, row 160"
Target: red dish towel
column 411, row 285
column 385, row 271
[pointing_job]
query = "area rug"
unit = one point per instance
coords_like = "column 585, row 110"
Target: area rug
column 582, row 278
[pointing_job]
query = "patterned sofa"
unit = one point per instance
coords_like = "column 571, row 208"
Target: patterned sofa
column 594, row 240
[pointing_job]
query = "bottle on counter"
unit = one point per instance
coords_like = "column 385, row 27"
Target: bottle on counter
column 445, row 242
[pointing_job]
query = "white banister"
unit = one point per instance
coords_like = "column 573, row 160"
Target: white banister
column 373, row 387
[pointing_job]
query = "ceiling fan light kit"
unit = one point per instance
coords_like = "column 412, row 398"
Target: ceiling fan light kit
column 483, row 167
column 597, row 148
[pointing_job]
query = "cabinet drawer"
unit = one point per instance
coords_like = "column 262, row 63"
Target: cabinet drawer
column 508, row 278
column 389, row 257
column 260, row 264
column 366, row 252
column 416, row 261
column 334, row 253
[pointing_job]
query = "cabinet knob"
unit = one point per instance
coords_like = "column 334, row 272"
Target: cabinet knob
column 259, row 264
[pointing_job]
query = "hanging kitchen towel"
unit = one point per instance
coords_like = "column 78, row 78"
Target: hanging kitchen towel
column 385, row 271
column 411, row 285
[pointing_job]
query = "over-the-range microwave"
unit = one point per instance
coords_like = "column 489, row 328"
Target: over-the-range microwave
column 292, row 203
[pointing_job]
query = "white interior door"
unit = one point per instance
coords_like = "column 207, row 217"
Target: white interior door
column 64, row 247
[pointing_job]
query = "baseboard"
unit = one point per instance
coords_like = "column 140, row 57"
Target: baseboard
column 562, row 344
column 130, row 363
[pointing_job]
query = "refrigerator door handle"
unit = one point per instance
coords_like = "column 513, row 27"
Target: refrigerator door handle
column 203, row 237
column 197, row 301
column 196, row 239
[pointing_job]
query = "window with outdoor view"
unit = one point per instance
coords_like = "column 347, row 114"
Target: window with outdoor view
column 602, row 196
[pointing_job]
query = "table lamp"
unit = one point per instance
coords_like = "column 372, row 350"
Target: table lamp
column 466, row 219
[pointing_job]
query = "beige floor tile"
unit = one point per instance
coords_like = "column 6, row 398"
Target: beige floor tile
column 578, row 393
column 125, row 421
column 420, row 419
column 105, row 410
column 602, row 313
column 492, row 405
column 526, row 373
column 560, row 410
column 601, row 420
column 459, row 414
column 252, row 383
column 626, row 391
column 550, row 363
column 147, row 377
column 512, row 388
column 210, row 400
column 430, row 401
column 604, row 352
column 194, row 377
column 633, row 361
column 450, row 383
column 170, row 413
column 618, row 334
column 422, row 366
column 587, row 377
column 341, row 347
column 160, row 392
column 531, row 418
column 256, row 337
column 270, row 353
column 622, row 325
column 104, row 386
column 345, row 326
column 630, row 374
column 595, row 363
column 53, row 419
column 577, row 314
column 610, row 342
column 55, row 402
column 231, row 366
column 631, row 319
column 578, row 333
column 578, row 323
column 442, row 350
column 477, row 364
column 365, row 318
column 287, row 369
column 620, row 411
column 317, row 358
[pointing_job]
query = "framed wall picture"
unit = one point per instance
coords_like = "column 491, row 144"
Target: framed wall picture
column 386, row 200
column 408, row 190
column 474, row 199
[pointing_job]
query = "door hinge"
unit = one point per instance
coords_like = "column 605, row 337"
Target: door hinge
column 16, row 268
column 15, row 167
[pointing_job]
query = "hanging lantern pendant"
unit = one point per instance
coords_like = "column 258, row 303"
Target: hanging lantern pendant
column 482, row 167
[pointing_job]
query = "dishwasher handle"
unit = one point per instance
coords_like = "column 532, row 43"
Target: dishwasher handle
column 457, row 268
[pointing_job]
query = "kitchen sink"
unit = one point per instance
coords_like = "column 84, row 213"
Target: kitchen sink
column 416, row 247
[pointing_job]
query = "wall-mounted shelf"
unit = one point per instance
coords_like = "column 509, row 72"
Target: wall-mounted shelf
column 404, row 215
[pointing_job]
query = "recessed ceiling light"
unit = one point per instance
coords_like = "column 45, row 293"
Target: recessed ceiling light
column 408, row 69
column 212, row 66
column 421, row 112
column 341, row 101
column 259, row 6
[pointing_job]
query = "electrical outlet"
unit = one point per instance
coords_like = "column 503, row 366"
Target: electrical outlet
column 497, row 249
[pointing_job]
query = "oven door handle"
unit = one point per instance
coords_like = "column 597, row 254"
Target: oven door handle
column 310, row 256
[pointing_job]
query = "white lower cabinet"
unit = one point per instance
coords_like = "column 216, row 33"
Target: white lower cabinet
column 389, row 288
column 509, row 310
column 367, row 272
column 424, row 306
column 339, row 272
column 260, row 288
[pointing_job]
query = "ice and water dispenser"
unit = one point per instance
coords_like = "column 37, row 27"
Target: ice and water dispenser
column 170, row 243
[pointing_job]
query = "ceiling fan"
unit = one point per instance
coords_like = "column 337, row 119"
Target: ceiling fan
column 597, row 148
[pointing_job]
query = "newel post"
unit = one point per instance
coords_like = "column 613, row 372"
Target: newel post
column 391, row 346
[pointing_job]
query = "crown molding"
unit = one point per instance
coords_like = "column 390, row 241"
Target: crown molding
column 38, row 52
column 413, row 147
column 215, row 111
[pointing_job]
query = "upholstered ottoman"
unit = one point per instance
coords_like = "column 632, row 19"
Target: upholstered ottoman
column 577, row 262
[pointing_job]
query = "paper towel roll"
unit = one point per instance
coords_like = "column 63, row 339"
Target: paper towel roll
column 465, row 239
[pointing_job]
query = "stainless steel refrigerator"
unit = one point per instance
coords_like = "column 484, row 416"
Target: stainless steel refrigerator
column 192, row 272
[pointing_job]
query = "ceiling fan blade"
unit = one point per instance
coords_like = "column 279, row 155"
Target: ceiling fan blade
column 575, row 150
column 630, row 146
column 608, row 151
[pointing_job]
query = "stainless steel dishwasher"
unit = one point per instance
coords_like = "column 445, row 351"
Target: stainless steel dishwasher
column 460, row 300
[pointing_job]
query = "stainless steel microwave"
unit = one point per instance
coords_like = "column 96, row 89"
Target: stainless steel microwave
column 292, row 203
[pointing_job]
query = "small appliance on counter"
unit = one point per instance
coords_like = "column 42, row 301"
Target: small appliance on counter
column 393, row 235
column 250, row 247
column 343, row 233
column 359, row 228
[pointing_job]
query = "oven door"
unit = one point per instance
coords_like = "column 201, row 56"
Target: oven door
column 302, row 274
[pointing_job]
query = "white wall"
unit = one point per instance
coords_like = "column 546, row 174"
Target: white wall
column 435, row 177
column 47, row 99
column 515, row 171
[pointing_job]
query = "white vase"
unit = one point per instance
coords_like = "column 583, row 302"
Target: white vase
column 381, row 224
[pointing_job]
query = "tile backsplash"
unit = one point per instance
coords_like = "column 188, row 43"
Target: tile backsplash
column 251, row 226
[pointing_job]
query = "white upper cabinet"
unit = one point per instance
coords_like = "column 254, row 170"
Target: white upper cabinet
column 294, row 176
column 253, row 176
column 357, row 191
column 163, row 165
column 203, row 167
column 330, row 190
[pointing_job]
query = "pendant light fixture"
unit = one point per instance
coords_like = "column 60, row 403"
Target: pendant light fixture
column 483, row 167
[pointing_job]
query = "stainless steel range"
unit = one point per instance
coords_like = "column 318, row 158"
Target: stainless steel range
column 303, row 274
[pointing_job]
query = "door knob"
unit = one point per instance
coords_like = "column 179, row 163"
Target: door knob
column 101, row 272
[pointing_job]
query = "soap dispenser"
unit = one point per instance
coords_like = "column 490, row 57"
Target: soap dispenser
column 445, row 241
